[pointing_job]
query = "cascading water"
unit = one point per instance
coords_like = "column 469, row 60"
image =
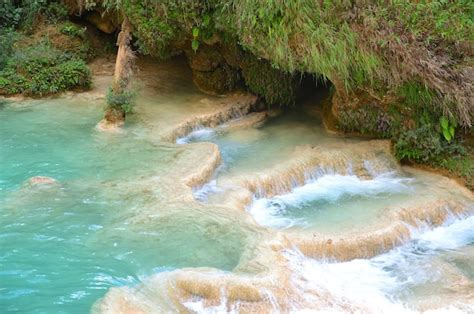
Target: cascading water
column 273, row 214
column 333, row 201
column 429, row 272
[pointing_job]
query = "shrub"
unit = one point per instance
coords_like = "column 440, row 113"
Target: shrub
column 7, row 39
column 10, row 14
column 43, row 70
column 420, row 145
column 73, row 30
column 33, row 10
column 123, row 101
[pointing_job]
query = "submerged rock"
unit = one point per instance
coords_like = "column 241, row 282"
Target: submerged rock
column 40, row 181
column 107, row 126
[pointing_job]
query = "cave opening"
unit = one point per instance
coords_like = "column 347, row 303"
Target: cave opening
column 312, row 90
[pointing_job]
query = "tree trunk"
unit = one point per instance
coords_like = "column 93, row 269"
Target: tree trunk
column 114, row 115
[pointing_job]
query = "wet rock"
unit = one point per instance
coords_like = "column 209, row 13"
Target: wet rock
column 219, row 81
column 106, row 126
column 211, row 73
column 205, row 59
column 365, row 160
column 231, row 107
column 40, row 181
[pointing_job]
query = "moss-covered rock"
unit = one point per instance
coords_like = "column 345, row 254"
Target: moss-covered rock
column 205, row 59
column 275, row 86
column 223, row 67
column 219, row 81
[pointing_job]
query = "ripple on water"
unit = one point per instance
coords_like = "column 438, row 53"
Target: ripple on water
column 65, row 245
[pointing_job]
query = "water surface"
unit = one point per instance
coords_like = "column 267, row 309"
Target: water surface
column 63, row 245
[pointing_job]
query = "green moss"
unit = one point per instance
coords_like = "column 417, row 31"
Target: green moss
column 366, row 119
column 218, row 81
column 461, row 166
column 275, row 86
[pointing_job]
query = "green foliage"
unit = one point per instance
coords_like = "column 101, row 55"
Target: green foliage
column 367, row 119
column 305, row 36
column 204, row 31
column 420, row 145
column 123, row 101
column 195, row 32
column 435, row 20
column 26, row 13
column 155, row 31
column 462, row 166
column 73, row 30
column 41, row 70
column 424, row 145
column 195, row 45
column 447, row 128
column 416, row 95
column 7, row 40
column 10, row 14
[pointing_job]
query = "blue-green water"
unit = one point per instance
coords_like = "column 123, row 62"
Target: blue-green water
column 252, row 149
column 64, row 245
column 114, row 218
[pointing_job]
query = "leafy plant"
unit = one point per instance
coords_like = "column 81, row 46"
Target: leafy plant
column 41, row 70
column 10, row 14
column 447, row 128
column 195, row 45
column 7, row 39
column 51, row 11
column 73, row 30
column 420, row 145
column 123, row 100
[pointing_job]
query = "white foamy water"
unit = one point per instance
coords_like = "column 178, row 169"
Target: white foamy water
column 202, row 193
column 328, row 188
column 380, row 284
column 200, row 134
